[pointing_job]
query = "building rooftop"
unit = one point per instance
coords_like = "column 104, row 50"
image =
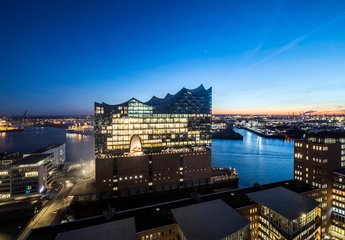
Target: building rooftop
column 151, row 213
column 285, row 202
column 32, row 159
column 209, row 220
column 9, row 155
column 340, row 171
column 170, row 103
column 116, row 230
column 159, row 101
column 327, row 134
column 48, row 147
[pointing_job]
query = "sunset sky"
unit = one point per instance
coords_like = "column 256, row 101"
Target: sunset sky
column 58, row 57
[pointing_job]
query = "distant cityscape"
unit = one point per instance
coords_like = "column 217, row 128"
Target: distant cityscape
column 172, row 120
column 153, row 176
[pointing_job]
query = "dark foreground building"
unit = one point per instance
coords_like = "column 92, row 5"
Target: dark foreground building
column 160, row 145
column 283, row 210
column 316, row 157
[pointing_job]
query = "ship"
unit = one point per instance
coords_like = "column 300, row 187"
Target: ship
column 80, row 129
column 7, row 126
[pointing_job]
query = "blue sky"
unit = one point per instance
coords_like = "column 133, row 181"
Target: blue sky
column 58, row 57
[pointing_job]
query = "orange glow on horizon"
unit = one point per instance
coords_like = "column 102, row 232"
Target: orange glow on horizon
column 275, row 112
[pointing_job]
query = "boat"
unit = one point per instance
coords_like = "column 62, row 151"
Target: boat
column 80, row 129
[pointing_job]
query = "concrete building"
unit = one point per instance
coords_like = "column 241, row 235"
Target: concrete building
column 315, row 158
column 284, row 214
column 117, row 230
column 220, row 215
column 211, row 220
column 160, row 145
column 338, row 205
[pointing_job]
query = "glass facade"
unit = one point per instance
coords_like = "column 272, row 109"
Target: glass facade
column 275, row 226
column 338, row 204
column 171, row 124
column 159, row 145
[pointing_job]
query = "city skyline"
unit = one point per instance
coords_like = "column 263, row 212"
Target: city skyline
column 276, row 57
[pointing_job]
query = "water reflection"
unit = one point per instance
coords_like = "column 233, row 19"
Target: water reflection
column 257, row 159
column 32, row 138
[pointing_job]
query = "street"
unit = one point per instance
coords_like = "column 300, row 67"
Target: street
column 52, row 211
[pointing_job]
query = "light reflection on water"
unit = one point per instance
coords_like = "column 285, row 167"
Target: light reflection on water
column 32, row 138
column 257, row 159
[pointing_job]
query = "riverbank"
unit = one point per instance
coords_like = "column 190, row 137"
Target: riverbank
column 263, row 134
column 228, row 134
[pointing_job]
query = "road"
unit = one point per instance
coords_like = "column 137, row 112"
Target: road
column 46, row 215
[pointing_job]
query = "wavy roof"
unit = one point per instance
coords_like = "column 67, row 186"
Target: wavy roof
column 154, row 101
column 158, row 101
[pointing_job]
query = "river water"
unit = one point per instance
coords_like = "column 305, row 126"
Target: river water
column 257, row 159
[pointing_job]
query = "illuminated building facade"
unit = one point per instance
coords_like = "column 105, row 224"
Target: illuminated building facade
column 284, row 214
column 58, row 150
column 5, row 184
column 162, row 144
column 26, row 177
column 31, row 175
column 338, row 205
column 315, row 159
column 282, row 210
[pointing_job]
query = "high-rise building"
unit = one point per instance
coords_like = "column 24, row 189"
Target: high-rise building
column 338, row 205
column 315, row 158
column 159, row 145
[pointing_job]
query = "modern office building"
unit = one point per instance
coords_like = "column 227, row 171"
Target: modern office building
column 58, row 150
column 338, row 205
column 284, row 214
column 30, row 175
column 9, row 157
column 159, row 145
column 315, row 159
column 5, row 183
